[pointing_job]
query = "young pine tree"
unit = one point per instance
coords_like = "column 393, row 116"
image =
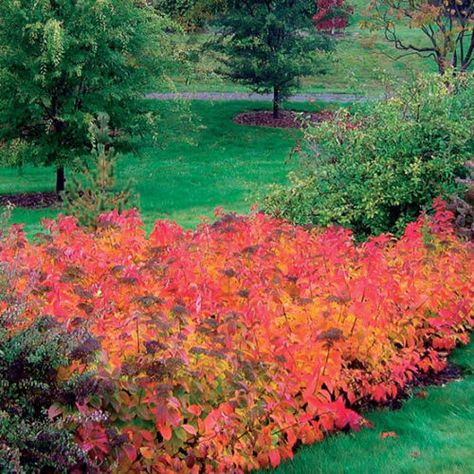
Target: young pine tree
column 93, row 191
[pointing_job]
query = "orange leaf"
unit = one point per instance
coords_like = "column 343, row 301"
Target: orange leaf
column 146, row 452
column 166, row 432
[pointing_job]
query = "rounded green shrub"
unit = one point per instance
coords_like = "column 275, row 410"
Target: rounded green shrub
column 375, row 169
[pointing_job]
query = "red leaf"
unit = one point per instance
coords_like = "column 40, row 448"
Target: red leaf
column 130, row 451
column 274, row 456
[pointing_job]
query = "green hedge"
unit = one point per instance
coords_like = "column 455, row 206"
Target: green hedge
column 374, row 170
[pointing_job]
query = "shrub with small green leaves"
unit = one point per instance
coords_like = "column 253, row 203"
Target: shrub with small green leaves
column 373, row 171
column 32, row 437
column 29, row 440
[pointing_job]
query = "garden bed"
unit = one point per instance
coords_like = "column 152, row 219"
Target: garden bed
column 225, row 348
column 41, row 200
column 287, row 118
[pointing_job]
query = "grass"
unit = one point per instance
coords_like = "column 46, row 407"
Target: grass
column 360, row 60
column 224, row 166
column 434, row 434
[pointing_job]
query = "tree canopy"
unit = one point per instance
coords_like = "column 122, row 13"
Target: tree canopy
column 191, row 14
column 64, row 61
column 271, row 44
column 448, row 26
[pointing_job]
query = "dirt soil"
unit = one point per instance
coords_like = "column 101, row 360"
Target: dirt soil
column 416, row 387
column 30, row 200
column 287, row 119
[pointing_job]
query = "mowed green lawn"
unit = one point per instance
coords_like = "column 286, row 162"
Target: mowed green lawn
column 433, row 435
column 213, row 162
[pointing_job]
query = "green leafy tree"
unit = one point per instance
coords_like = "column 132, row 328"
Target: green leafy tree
column 270, row 44
column 62, row 62
column 93, row 192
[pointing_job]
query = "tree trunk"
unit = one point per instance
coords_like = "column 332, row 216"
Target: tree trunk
column 60, row 180
column 442, row 62
column 276, row 102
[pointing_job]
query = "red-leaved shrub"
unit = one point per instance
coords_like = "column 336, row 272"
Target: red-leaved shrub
column 231, row 344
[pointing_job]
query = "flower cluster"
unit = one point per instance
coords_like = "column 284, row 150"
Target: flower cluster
column 230, row 345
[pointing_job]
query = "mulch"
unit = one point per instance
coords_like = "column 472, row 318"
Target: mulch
column 30, row 200
column 416, row 387
column 287, row 119
column 450, row 373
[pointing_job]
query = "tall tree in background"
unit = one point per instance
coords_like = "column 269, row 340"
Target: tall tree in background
column 270, row 44
column 448, row 26
column 64, row 61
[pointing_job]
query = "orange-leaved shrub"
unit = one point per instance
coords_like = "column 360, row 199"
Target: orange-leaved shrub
column 230, row 345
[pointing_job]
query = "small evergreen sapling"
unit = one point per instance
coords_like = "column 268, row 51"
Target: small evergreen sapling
column 93, row 192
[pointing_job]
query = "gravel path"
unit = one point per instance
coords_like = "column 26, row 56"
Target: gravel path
column 324, row 97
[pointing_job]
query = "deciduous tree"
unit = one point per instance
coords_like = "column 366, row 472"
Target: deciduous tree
column 332, row 15
column 448, row 26
column 64, row 61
